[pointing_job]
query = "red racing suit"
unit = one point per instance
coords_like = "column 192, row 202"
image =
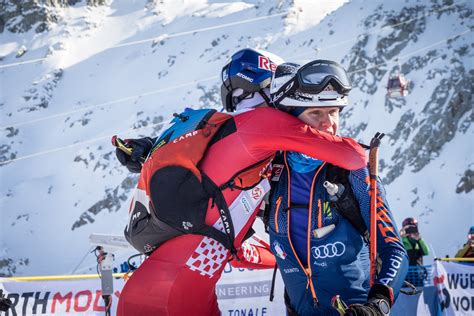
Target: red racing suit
column 179, row 277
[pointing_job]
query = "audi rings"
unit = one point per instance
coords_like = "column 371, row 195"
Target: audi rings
column 330, row 250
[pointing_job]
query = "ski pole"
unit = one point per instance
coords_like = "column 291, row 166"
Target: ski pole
column 339, row 304
column 373, row 172
column 260, row 241
column 123, row 146
column 120, row 144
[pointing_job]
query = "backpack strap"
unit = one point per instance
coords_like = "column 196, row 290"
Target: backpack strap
column 278, row 164
column 347, row 205
column 227, row 237
column 246, row 178
column 272, row 288
column 248, row 234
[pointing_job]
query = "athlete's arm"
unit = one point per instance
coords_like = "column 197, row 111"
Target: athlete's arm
column 270, row 129
column 390, row 250
column 253, row 256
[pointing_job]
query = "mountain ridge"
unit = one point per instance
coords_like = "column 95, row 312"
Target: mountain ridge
column 112, row 68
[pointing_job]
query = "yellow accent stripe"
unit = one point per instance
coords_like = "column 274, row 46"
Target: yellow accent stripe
column 59, row 277
column 320, row 214
column 456, row 259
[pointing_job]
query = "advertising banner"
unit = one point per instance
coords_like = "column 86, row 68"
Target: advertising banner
column 65, row 297
column 455, row 284
column 241, row 292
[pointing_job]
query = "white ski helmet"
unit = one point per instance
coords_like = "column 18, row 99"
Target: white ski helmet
column 320, row 83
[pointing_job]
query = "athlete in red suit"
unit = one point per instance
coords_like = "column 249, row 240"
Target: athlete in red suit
column 179, row 278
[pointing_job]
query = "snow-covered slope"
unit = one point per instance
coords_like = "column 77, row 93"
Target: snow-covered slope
column 93, row 69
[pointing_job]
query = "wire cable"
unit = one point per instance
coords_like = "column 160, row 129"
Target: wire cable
column 31, row 61
column 379, row 30
column 14, row 125
column 204, row 29
column 82, row 260
column 163, row 122
column 181, row 85
column 411, row 53
column 93, row 140
column 166, row 36
column 163, row 37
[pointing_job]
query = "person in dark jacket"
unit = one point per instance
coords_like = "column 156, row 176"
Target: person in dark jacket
column 320, row 254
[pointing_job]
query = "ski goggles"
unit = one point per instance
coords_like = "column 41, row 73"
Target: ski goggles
column 314, row 77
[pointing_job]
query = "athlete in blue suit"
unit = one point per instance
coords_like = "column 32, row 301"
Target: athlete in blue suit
column 320, row 254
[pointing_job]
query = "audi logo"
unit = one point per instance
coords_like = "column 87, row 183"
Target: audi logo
column 331, row 250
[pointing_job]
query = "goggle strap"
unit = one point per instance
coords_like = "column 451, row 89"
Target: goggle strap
column 237, row 100
column 284, row 90
column 265, row 97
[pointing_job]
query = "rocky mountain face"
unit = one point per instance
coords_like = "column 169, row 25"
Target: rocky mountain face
column 447, row 112
column 107, row 67
column 22, row 16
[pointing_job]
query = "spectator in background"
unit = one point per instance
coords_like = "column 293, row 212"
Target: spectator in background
column 467, row 251
column 416, row 248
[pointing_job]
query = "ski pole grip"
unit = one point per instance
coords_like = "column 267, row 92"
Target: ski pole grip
column 120, row 144
column 373, row 154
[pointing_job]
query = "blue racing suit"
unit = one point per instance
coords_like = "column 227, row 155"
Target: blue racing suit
column 314, row 269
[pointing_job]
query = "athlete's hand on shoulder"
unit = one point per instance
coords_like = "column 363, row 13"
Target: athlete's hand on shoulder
column 140, row 148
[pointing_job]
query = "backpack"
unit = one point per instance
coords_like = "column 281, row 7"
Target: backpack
column 347, row 205
column 173, row 194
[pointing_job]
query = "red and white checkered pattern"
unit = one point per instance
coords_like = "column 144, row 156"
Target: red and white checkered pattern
column 250, row 252
column 208, row 257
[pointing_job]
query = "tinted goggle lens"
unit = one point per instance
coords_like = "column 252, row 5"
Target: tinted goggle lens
column 319, row 74
column 313, row 78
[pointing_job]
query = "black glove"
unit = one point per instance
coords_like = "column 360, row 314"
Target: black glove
column 367, row 309
column 141, row 147
column 5, row 303
column 378, row 304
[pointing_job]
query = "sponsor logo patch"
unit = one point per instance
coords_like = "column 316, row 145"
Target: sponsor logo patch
column 187, row 225
column 246, row 205
column 265, row 63
column 330, row 250
column 279, row 250
column 277, row 169
column 187, row 135
column 322, row 264
column 257, row 193
column 241, row 75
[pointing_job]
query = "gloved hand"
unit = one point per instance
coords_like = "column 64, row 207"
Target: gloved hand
column 379, row 302
column 140, row 148
column 367, row 309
